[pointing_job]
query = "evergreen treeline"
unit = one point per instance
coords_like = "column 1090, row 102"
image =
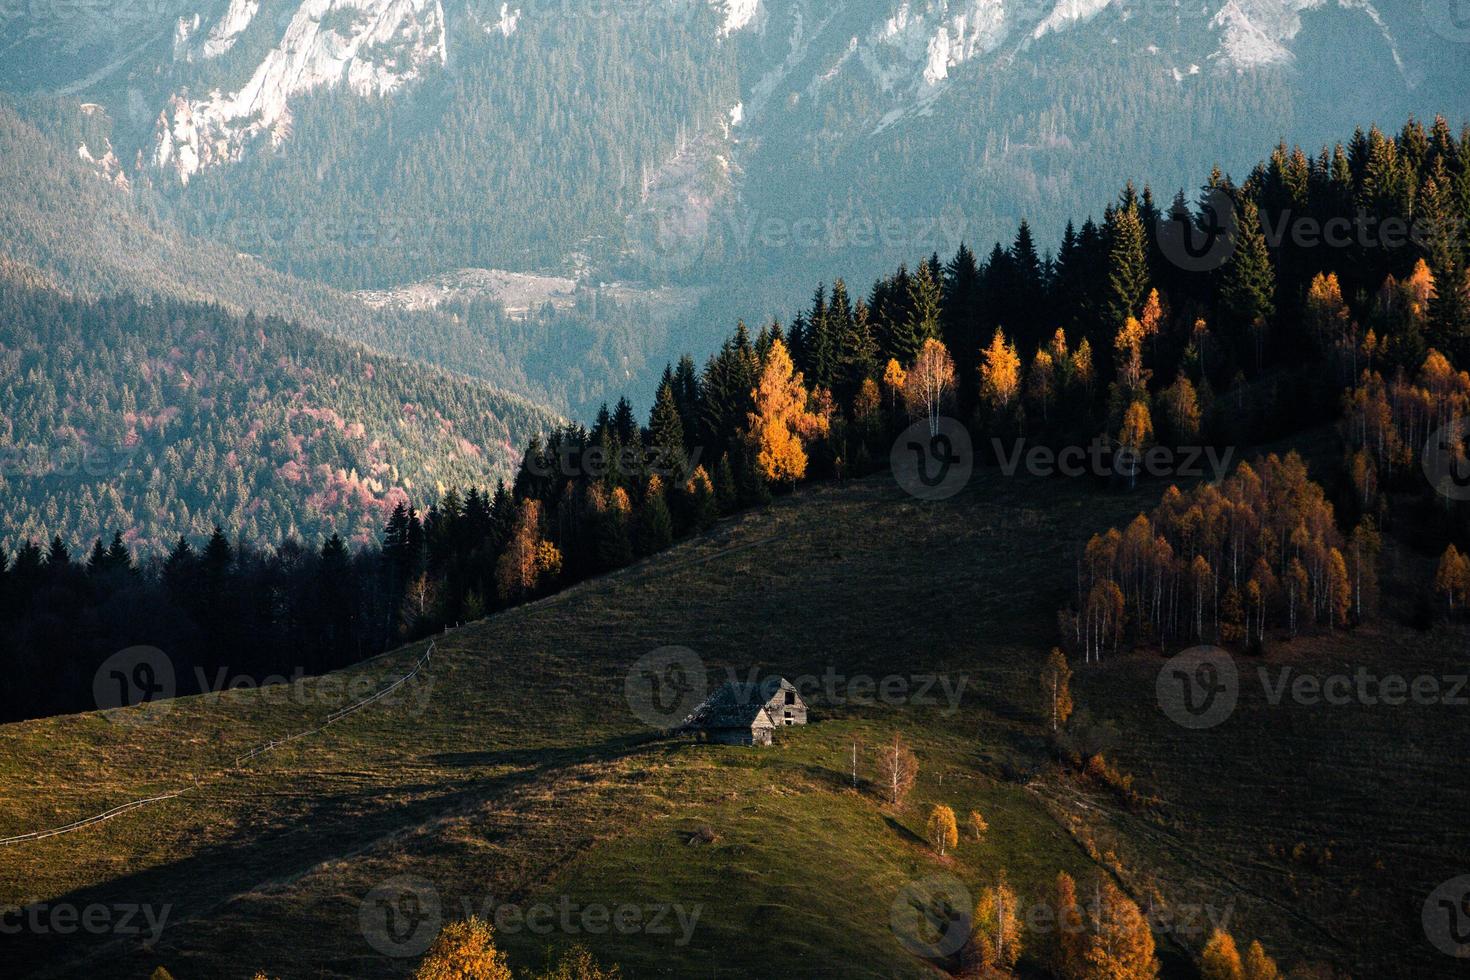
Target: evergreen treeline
column 211, row 606
column 1103, row 337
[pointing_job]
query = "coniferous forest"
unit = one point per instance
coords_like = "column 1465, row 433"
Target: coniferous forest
column 1101, row 336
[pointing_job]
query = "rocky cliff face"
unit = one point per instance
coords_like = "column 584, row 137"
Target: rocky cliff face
column 904, row 52
column 370, row 46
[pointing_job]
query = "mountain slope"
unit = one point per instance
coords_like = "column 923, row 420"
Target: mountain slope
column 500, row 792
column 98, row 238
column 166, row 418
column 494, row 785
column 98, row 235
column 409, row 139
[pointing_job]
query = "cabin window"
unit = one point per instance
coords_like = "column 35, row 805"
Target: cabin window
column 790, row 697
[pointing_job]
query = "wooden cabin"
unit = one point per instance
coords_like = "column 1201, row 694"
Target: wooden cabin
column 742, row 713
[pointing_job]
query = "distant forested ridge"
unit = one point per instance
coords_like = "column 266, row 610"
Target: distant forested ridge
column 159, row 417
column 62, row 219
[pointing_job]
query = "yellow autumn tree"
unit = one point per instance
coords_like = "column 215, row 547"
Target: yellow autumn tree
column 464, row 950
column 1152, row 315
column 1136, row 435
column 1082, row 370
column 1452, row 578
column 1128, row 355
column 1056, row 687
column 1041, row 383
column 978, row 826
column 578, row 963
column 930, row 382
column 893, row 379
column 1259, row 966
column 1220, row 959
column 1064, row 955
column 1000, row 372
column 1180, row 404
column 517, row 571
column 1339, row 589
column 1419, row 287
column 942, row 831
column 866, row 402
column 1119, row 945
column 548, row 562
column 1326, row 313
column 781, row 420
column 995, row 931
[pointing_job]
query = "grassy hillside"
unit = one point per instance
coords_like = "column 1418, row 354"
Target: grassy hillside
column 513, row 771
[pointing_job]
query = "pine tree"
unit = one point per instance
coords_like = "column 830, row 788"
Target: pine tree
column 97, row 560
column 701, row 505
column 823, row 336
column 923, row 317
column 858, row 356
column 1448, row 313
column 726, row 490
column 655, row 526
column 613, row 533
column 1127, row 261
column 1248, row 283
column 960, row 323
column 687, row 397
column 1025, row 300
column 666, row 433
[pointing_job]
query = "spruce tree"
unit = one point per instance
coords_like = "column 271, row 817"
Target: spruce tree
column 960, row 322
column 923, row 315
column 666, row 433
column 655, row 525
column 1248, row 283
column 1027, row 290
column 1127, row 261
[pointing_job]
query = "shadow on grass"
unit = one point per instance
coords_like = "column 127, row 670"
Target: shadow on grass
column 310, row 832
column 908, row 835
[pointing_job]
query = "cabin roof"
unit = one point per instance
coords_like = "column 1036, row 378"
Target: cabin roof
column 739, row 704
